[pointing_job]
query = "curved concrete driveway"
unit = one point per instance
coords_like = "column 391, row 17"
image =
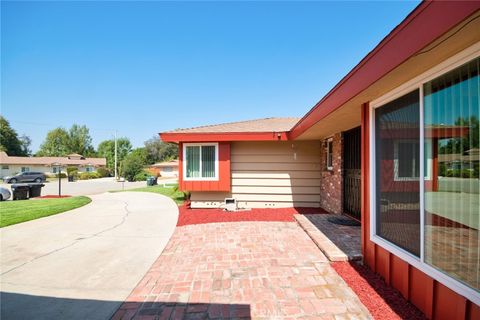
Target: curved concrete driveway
column 82, row 264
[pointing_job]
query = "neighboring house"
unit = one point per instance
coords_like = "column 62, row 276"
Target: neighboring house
column 370, row 149
column 165, row 169
column 48, row 165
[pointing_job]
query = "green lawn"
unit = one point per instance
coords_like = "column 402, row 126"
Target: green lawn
column 13, row 212
column 171, row 191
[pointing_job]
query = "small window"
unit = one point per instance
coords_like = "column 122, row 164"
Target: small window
column 329, row 154
column 25, row 169
column 4, row 167
column 88, row 169
column 54, row 169
column 201, row 162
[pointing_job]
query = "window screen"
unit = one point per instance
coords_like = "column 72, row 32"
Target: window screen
column 397, row 133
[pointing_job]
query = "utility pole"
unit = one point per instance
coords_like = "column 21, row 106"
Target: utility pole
column 116, row 174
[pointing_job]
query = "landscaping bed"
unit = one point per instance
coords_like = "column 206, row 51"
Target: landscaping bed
column 13, row 212
column 188, row 216
column 383, row 301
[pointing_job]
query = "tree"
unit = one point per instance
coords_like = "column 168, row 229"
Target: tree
column 55, row 144
column 10, row 142
column 80, row 141
column 158, row 151
column 26, row 143
column 60, row 142
column 133, row 163
column 106, row 149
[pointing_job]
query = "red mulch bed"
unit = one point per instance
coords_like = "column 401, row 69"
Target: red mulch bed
column 51, row 196
column 383, row 301
column 189, row 216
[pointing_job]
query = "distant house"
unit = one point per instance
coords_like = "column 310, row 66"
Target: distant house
column 13, row 165
column 165, row 169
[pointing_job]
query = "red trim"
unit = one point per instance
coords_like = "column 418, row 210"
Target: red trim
column 222, row 184
column 223, row 136
column 426, row 23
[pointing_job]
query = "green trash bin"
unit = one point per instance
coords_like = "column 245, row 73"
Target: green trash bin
column 149, row 181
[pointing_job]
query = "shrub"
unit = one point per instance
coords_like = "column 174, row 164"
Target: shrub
column 142, row 176
column 467, row 173
column 72, row 170
column 104, row 172
column 62, row 175
column 88, row 175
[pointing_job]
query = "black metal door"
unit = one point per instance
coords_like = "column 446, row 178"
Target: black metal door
column 352, row 173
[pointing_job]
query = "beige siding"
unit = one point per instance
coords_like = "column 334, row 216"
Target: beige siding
column 270, row 174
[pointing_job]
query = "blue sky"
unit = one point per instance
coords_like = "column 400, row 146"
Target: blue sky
column 145, row 67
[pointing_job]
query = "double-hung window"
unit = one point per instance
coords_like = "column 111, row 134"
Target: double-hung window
column 200, row 161
column 425, row 200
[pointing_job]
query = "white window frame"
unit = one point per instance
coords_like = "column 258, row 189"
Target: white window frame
column 5, row 167
column 24, row 169
column 185, row 145
column 327, row 154
column 417, row 83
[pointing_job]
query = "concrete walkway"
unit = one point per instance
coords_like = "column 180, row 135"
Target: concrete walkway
column 82, row 264
column 242, row 270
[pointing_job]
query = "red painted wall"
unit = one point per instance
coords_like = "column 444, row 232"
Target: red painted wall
column 224, row 181
column 433, row 298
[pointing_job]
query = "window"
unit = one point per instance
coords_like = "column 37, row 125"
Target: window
column 329, row 154
column 54, row 169
column 425, row 195
column 201, row 161
column 397, row 160
column 88, row 169
column 451, row 126
column 167, row 169
column 5, row 167
column 25, row 169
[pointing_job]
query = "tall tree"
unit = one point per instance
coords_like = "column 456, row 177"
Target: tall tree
column 107, row 149
column 56, row 144
column 79, row 140
column 160, row 151
column 10, row 142
column 26, row 143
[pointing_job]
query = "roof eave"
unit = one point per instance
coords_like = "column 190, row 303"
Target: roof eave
column 178, row 137
column 423, row 25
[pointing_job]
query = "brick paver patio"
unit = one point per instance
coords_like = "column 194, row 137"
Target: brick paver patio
column 337, row 242
column 242, row 270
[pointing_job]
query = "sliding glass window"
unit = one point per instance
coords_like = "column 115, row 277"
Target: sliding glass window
column 452, row 208
column 201, row 162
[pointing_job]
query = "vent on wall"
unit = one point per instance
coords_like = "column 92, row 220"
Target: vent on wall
column 230, row 204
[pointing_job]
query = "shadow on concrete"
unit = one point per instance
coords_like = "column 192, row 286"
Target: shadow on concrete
column 346, row 237
column 24, row 306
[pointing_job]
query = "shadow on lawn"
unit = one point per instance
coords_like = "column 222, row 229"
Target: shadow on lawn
column 24, row 306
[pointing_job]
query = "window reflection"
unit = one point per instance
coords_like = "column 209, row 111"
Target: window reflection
column 452, row 208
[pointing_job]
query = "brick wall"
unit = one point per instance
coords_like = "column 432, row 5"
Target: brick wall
column 332, row 180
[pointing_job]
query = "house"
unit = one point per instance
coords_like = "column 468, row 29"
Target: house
column 165, row 169
column 372, row 149
column 48, row 165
